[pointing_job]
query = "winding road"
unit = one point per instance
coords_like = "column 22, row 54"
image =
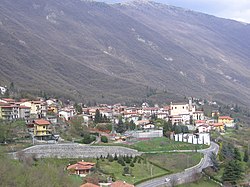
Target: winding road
column 185, row 176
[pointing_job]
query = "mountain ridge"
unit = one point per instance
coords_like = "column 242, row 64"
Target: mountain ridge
column 88, row 49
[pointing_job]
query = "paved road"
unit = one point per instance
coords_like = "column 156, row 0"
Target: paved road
column 185, row 176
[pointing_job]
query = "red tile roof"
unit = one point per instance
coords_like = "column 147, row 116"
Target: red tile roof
column 218, row 124
column 24, row 107
column 226, row 117
column 81, row 166
column 89, row 185
column 121, row 184
column 41, row 122
column 200, row 121
column 8, row 100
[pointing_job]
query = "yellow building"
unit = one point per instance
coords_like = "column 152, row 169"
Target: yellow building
column 53, row 108
column 42, row 129
column 225, row 119
column 220, row 127
column 38, row 109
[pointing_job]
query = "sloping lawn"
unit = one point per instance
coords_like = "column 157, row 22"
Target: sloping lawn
column 202, row 182
column 139, row 172
column 175, row 162
column 164, row 144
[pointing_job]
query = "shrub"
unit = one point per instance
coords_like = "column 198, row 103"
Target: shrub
column 104, row 139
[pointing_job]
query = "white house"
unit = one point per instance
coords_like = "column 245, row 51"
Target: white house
column 67, row 113
column 2, row 90
column 203, row 128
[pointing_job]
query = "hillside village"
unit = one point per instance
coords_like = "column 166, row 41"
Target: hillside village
column 52, row 121
column 41, row 115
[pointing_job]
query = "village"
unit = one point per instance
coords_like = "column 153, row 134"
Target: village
column 40, row 115
column 180, row 122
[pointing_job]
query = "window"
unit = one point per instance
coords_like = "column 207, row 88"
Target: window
column 44, row 127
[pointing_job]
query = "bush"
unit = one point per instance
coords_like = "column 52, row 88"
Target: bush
column 110, row 158
column 87, row 139
column 104, row 139
column 132, row 164
column 126, row 170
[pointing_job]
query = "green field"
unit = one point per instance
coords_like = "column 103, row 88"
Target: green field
column 202, row 182
column 161, row 144
column 139, row 172
column 164, row 144
column 175, row 162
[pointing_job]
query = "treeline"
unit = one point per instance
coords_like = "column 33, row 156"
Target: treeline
column 231, row 160
column 168, row 127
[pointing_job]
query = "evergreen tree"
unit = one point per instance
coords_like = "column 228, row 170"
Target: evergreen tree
column 120, row 127
column 78, row 108
column 233, row 172
column 97, row 116
column 115, row 157
column 214, row 162
column 237, row 155
column 246, row 156
column 132, row 125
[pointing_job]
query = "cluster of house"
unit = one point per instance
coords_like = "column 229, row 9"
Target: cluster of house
column 82, row 169
column 37, row 113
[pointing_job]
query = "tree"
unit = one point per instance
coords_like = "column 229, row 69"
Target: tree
column 87, row 138
column 216, row 116
column 237, row 155
column 246, row 156
column 214, row 162
column 104, row 139
column 78, row 108
column 97, row 116
column 126, row 170
column 177, row 129
column 233, row 172
column 120, row 127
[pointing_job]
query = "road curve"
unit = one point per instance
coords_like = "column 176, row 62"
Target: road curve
column 185, row 176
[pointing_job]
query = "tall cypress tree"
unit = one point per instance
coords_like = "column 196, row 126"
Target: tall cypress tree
column 246, row 156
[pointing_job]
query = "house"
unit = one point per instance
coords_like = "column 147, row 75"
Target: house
column 181, row 112
column 80, row 168
column 53, row 108
column 8, row 111
column 218, row 127
column 227, row 120
column 148, row 126
column 176, row 119
column 2, row 90
column 198, row 115
column 121, row 184
column 42, row 129
column 162, row 115
column 38, row 109
column 24, row 112
column 181, row 108
column 8, row 100
column 67, row 113
column 203, row 128
column 141, row 122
